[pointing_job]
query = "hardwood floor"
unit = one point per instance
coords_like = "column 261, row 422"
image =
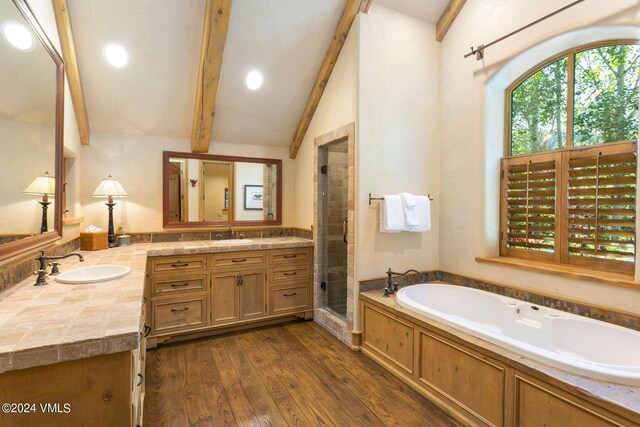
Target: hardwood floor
column 295, row 374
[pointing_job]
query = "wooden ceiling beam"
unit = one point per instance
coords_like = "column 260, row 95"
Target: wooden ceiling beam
column 63, row 22
column 351, row 9
column 214, row 38
column 448, row 16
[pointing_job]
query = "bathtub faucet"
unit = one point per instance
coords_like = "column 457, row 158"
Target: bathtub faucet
column 392, row 286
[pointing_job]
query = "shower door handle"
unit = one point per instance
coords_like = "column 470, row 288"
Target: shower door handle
column 344, row 230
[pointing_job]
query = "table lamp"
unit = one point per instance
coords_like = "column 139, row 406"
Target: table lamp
column 110, row 188
column 44, row 185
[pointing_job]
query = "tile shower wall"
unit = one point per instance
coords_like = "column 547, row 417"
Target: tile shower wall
column 337, row 176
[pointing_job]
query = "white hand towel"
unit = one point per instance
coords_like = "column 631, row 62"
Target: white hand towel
column 391, row 215
column 423, row 213
column 410, row 210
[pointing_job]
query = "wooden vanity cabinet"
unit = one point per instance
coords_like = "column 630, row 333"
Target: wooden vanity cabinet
column 237, row 295
column 104, row 390
column 197, row 294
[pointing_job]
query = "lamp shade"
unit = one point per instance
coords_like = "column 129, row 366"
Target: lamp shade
column 43, row 184
column 110, row 187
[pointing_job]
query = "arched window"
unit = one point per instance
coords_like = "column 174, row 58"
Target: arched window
column 569, row 172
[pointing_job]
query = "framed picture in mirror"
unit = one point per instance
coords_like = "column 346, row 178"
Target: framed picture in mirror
column 253, row 197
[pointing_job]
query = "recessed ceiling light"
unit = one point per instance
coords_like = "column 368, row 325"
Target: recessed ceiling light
column 18, row 35
column 116, row 55
column 254, row 80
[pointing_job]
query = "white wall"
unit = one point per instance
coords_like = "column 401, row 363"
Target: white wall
column 398, row 145
column 136, row 160
column 28, row 151
column 193, row 193
column 469, row 179
column 336, row 108
column 246, row 174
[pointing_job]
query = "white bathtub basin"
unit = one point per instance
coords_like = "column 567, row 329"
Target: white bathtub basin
column 563, row 340
column 233, row 241
column 93, row 274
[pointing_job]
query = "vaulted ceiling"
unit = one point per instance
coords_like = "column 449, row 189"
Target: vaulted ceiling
column 155, row 94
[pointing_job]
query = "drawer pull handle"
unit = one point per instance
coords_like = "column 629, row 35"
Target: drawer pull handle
column 289, row 295
column 147, row 330
column 179, row 285
column 179, row 264
column 239, row 260
column 290, row 256
column 180, row 309
column 140, row 380
column 291, row 273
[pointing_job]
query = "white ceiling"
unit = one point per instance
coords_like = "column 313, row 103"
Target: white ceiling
column 155, row 94
column 284, row 39
column 428, row 10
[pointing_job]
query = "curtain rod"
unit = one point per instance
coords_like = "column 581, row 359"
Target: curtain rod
column 479, row 51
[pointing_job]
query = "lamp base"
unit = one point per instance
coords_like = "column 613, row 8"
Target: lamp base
column 43, row 226
column 112, row 235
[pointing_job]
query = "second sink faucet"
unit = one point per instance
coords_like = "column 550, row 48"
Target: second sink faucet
column 392, row 286
column 42, row 269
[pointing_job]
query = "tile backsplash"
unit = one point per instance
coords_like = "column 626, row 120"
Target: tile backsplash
column 17, row 269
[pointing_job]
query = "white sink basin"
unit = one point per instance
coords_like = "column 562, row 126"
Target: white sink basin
column 93, row 274
column 233, row 241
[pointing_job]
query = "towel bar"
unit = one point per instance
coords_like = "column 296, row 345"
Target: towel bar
column 382, row 198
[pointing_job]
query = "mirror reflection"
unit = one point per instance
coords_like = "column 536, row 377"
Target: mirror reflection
column 218, row 190
column 27, row 129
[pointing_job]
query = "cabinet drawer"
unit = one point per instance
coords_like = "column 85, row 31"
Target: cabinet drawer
column 289, row 256
column 167, row 286
column 238, row 259
column 290, row 299
column 294, row 273
column 182, row 263
column 186, row 313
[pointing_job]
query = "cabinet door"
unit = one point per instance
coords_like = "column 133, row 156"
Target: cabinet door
column 252, row 294
column 224, row 297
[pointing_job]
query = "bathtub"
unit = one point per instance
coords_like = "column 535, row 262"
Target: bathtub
column 566, row 341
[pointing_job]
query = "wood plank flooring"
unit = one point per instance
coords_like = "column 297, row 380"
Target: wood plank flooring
column 295, row 374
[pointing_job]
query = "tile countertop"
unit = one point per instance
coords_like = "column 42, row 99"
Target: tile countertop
column 626, row 397
column 59, row 322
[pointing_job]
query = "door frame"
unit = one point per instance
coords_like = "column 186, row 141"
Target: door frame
column 341, row 328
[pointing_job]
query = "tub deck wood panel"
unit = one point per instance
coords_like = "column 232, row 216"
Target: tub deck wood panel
column 570, row 397
column 456, row 373
column 389, row 337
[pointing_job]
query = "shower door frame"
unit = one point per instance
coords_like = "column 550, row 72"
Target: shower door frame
column 339, row 327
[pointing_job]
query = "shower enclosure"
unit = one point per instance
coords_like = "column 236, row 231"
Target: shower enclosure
column 333, row 182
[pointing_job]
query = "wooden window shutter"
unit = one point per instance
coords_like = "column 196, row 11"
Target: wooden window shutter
column 529, row 192
column 600, row 216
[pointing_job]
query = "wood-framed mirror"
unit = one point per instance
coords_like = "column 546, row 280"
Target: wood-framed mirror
column 207, row 190
column 31, row 132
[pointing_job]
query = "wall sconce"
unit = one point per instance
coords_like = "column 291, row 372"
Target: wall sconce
column 193, row 182
column 44, row 185
column 110, row 188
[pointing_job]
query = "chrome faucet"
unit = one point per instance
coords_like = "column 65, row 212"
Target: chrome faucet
column 42, row 269
column 392, row 287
